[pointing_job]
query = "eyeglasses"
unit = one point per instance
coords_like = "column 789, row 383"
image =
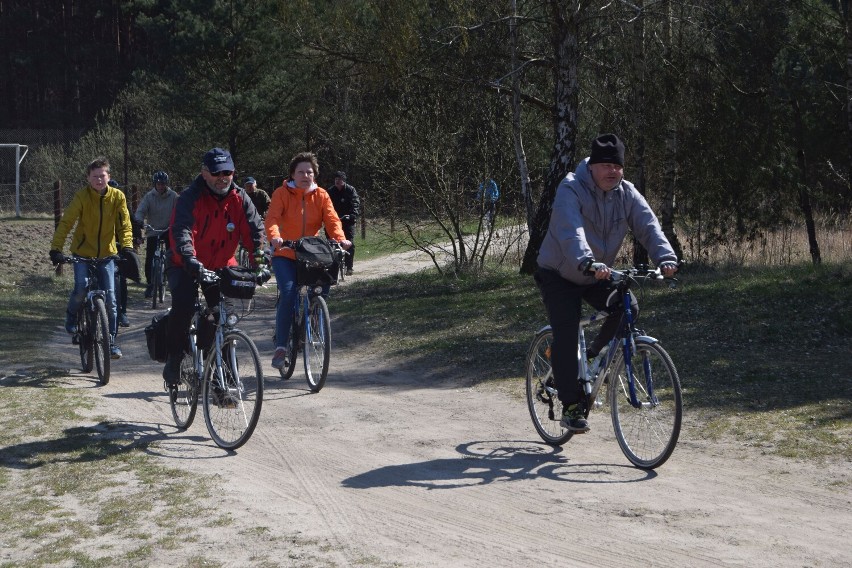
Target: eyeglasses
column 222, row 173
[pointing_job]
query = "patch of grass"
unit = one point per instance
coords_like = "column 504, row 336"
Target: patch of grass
column 758, row 351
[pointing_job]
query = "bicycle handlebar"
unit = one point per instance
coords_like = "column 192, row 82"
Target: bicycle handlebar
column 157, row 232
column 75, row 258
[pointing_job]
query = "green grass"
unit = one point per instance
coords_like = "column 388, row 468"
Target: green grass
column 758, row 351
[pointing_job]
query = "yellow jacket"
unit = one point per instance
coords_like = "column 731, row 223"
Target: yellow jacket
column 295, row 213
column 100, row 220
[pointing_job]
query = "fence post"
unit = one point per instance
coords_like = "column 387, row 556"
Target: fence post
column 57, row 212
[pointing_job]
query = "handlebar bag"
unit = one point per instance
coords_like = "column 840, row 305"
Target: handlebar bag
column 237, row 282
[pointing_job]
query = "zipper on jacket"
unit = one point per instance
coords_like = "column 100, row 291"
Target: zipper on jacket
column 101, row 223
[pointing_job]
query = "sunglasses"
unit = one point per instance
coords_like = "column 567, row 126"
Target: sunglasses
column 222, row 173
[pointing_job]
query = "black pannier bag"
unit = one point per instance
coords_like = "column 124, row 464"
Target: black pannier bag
column 237, row 282
column 156, row 337
column 316, row 263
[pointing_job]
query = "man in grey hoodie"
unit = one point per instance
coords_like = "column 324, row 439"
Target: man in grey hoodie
column 592, row 211
column 156, row 207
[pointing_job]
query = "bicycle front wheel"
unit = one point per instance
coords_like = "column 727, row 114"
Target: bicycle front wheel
column 85, row 339
column 648, row 433
column 317, row 344
column 185, row 401
column 156, row 282
column 101, row 340
column 232, row 406
column 544, row 406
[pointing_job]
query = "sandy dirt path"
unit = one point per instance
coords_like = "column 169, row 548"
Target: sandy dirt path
column 396, row 466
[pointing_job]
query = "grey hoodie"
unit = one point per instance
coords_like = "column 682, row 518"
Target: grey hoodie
column 157, row 208
column 589, row 223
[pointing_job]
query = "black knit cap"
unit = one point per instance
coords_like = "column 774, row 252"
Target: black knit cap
column 607, row 149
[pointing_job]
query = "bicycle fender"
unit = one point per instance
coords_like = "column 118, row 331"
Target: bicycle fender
column 646, row 339
column 545, row 328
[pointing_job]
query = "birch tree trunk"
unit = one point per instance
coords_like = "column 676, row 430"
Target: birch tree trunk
column 565, row 16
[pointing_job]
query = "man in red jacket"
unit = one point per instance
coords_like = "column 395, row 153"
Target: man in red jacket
column 210, row 218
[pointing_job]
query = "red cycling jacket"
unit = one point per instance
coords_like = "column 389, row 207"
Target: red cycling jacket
column 209, row 227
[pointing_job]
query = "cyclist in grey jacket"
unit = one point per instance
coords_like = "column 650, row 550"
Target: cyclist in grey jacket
column 592, row 212
column 156, row 206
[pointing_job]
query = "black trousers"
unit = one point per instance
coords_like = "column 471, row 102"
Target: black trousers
column 349, row 231
column 563, row 302
column 184, row 289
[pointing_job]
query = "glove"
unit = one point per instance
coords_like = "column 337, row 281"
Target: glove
column 56, row 257
column 193, row 266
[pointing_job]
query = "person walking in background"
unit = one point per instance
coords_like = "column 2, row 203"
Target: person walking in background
column 156, row 207
column 488, row 194
column 99, row 216
column 210, row 218
column 258, row 197
column 593, row 209
column 300, row 208
column 348, row 207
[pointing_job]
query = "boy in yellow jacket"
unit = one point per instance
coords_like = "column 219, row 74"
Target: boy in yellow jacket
column 100, row 214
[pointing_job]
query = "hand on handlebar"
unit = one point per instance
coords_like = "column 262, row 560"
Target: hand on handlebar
column 56, row 257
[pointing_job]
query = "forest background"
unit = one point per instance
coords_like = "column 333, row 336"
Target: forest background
column 737, row 115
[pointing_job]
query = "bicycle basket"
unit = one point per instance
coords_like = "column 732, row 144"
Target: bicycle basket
column 237, row 282
column 156, row 337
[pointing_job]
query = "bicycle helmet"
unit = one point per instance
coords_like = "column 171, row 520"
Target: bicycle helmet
column 161, row 177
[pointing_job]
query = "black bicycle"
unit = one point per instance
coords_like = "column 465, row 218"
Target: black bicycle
column 643, row 386
column 92, row 335
column 158, row 266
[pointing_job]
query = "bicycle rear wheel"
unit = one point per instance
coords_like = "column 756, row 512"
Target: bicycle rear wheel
column 544, row 406
column 101, row 339
column 232, row 412
column 292, row 350
column 317, row 344
column 185, row 402
column 85, row 339
column 648, row 434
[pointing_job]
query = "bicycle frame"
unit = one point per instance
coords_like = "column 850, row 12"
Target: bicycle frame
column 626, row 336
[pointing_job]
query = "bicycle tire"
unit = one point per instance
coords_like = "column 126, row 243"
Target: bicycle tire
column 101, row 339
column 85, row 340
column 317, row 350
column 232, row 416
column 292, row 349
column 646, row 435
column 185, row 403
column 156, row 282
column 545, row 408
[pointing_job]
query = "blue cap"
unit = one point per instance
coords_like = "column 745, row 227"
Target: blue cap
column 217, row 160
column 250, row 180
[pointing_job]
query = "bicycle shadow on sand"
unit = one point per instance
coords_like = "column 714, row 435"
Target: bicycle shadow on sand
column 495, row 461
column 85, row 444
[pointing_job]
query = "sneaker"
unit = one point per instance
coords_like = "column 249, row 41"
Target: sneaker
column 70, row 323
column 171, row 371
column 149, row 291
column 349, row 272
column 123, row 321
column 279, row 358
column 573, row 419
column 114, row 351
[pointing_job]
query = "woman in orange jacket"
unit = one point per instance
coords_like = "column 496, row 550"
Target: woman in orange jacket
column 299, row 208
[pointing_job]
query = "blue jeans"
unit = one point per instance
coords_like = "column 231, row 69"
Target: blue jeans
column 106, row 282
column 285, row 277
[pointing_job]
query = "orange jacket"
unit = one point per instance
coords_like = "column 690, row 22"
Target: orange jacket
column 295, row 213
